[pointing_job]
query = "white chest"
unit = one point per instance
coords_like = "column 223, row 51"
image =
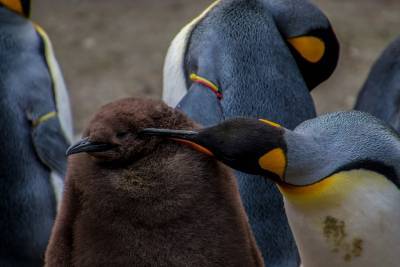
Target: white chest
column 348, row 224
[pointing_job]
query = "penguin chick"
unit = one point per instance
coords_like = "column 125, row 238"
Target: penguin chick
column 338, row 174
column 132, row 201
column 380, row 94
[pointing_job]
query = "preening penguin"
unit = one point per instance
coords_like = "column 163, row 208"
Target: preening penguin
column 380, row 94
column 339, row 176
column 246, row 51
column 139, row 201
column 35, row 131
column 253, row 58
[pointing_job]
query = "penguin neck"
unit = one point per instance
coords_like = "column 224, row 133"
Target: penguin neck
column 349, row 219
column 312, row 156
column 260, row 92
column 306, row 159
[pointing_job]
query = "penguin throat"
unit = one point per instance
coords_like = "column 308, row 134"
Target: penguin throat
column 207, row 84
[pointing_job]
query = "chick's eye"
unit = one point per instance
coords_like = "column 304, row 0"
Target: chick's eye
column 122, row 135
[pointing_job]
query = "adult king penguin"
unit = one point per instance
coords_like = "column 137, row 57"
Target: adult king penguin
column 35, row 131
column 339, row 175
column 253, row 58
column 380, row 94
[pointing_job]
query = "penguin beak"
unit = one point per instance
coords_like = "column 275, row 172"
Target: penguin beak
column 85, row 145
column 181, row 136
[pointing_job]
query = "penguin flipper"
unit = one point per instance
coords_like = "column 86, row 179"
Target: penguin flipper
column 201, row 105
column 50, row 145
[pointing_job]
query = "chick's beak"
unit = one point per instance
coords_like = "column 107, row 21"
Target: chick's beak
column 85, row 145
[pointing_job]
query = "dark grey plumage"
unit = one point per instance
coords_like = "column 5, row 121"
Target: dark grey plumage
column 33, row 146
column 380, row 94
column 242, row 47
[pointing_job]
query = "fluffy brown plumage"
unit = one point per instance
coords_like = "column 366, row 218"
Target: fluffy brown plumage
column 148, row 202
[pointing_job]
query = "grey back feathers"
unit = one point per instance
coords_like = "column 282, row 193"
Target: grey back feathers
column 340, row 141
column 296, row 17
column 380, row 95
column 238, row 47
column 33, row 144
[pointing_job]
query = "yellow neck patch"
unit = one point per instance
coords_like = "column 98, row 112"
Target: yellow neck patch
column 313, row 190
column 14, row 5
column 274, row 161
column 335, row 188
column 310, row 48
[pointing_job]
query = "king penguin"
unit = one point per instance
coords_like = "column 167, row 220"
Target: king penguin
column 339, row 175
column 36, row 129
column 133, row 201
column 380, row 94
column 253, row 58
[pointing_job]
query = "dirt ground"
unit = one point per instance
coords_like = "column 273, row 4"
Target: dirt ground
column 114, row 49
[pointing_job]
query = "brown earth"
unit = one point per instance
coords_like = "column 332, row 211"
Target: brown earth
column 114, row 49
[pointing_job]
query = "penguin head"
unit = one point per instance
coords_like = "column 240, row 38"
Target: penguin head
column 248, row 145
column 309, row 36
column 314, row 151
column 112, row 134
column 21, row 7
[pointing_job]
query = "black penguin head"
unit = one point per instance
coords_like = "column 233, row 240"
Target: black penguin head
column 112, row 133
column 21, row 7
column 248, row 145
column 309, row 36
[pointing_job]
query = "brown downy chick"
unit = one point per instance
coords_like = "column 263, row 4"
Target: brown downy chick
column 134, row 201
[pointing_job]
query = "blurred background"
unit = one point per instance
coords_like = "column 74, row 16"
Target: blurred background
column 113, row 49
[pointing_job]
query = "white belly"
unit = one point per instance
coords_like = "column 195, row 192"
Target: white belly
column 354, row 222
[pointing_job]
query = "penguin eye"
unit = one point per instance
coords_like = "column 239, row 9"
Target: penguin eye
column 121, row 135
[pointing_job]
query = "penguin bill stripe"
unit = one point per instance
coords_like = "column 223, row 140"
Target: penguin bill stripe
column 271, row 123
column 206, row 83
column 180, row 136
column 195, row 146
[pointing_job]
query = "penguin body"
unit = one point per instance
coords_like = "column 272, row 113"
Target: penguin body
column 254, row 58
column 380, row 94
column 339, row 176
column 34, row 141
column 132, row 201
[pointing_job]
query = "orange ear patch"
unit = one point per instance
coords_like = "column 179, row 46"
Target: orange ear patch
column 195, row 146
column 14, row 5
column 310, row 48
column 274, row 161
